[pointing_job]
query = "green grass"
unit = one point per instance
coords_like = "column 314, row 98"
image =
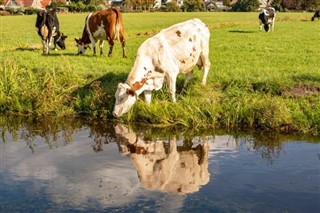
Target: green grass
column 257, row 80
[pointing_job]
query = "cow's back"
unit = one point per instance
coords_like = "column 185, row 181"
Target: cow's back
column 102, row 24
column 180, row 44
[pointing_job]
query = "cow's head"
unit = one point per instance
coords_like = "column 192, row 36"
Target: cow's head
column 126, row 96
column 61, row 41
column 267, row 27
column 82, row 47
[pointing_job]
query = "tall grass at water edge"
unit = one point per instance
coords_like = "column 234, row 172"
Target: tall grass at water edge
column 257, row 79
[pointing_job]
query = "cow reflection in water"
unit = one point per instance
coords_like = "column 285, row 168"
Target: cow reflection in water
column 163, row 165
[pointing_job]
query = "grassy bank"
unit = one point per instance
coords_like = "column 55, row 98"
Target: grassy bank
column 257, row 80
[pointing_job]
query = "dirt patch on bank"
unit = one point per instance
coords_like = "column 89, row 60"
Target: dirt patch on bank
column 301, row 90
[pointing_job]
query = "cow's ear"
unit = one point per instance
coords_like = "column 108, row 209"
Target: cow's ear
column 76, row 40
column 130, row 92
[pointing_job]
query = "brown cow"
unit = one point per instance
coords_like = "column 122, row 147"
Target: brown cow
column 102, row 25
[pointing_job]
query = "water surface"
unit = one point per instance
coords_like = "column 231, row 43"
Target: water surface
column 94, row 166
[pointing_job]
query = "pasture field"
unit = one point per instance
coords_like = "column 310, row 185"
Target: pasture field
column 257, row 79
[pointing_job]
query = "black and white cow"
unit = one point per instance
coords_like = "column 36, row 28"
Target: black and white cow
column 316, row 15
column 266, row 18
column 47, row 26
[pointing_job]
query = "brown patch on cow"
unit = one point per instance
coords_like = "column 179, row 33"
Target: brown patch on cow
column 182, row 61
column 130, row 92
column 144, row 68
column 158, row 70
column 190, row 39
column 178, row 33
column 194, row 49
column 301, row 90
column 139, row 84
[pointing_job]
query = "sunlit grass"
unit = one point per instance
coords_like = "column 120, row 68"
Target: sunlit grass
column 257, row 79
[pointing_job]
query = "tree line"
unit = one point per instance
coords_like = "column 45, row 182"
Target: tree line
column 188, row 5
column 197, row 5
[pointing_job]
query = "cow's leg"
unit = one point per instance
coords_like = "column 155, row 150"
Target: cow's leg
column 55, row 44
column 273, row 24
column 172, row 80
column 93, row 43
column 48, row 46
column 94, row 48
column 188, row 78
column 147, row 96
column 204, row 57
column 44, row 49
column 111, row 43
column 123, row 45
column 101, row 42
column 49, row 41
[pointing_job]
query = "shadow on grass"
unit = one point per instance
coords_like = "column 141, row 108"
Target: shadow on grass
column 307, row 78
column 28, row 49
column 241, row 31
column 97, row 96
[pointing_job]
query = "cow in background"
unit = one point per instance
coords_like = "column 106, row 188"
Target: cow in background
column 47, row 26
column 175, row 50
column 267, row 18
column 102, row 25
column 316, row 15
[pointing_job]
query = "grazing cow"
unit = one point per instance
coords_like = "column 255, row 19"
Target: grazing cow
column 267, row 18
column 161, row 58
column 316, row 15
column 102, row 25
column 47, row 26
column 164, row 165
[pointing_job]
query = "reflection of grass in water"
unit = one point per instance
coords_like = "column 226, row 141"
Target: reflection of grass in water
column 252, row 83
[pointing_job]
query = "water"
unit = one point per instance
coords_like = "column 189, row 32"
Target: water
column 91, row 166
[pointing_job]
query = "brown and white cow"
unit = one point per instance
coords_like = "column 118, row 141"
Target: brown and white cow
column 175, row 50
column 102, row 25
column 163, row 165
column 267, row 18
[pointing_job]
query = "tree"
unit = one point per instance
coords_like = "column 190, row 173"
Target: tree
column 276, row 4
column 227, row 2
column 246, row 5
column 194, row 5
column 310, row 4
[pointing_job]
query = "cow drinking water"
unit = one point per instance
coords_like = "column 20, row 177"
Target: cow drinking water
column 267, row 18
column 161, row 58
column 47, row 26
column 102, row 25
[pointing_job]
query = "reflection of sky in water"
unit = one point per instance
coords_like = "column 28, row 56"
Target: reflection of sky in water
column 75, row 178
column 73, row 175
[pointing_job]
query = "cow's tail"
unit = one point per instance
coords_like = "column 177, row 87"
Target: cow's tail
column 117, row 25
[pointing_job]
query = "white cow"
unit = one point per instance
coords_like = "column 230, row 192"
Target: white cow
column 161, row 58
